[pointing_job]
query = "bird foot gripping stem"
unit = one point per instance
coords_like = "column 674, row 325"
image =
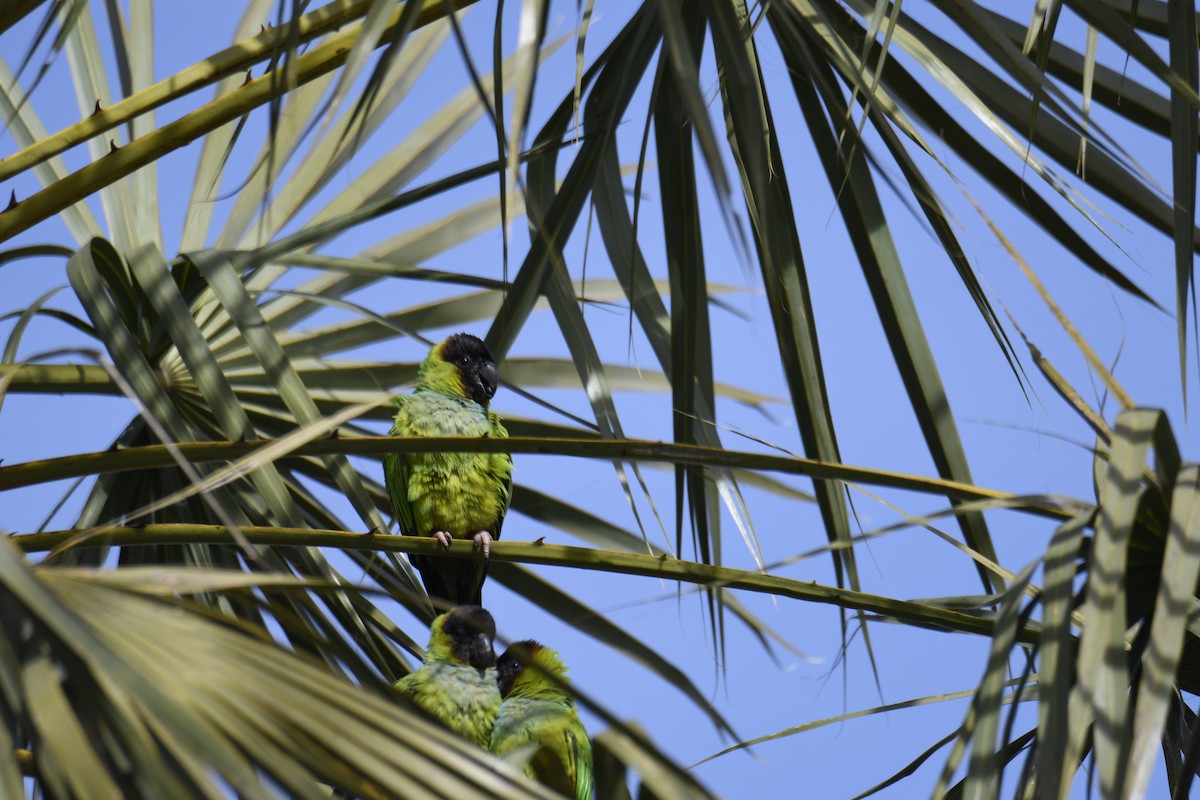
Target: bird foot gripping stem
column 484, row 539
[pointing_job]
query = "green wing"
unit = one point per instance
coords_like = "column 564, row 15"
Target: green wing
column 502, row 463
column 564, row 760
column 580, row 750
column 397, row 472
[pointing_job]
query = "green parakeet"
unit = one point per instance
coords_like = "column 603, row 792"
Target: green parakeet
column 457, row 682
column 451, row 495
column 538, row 711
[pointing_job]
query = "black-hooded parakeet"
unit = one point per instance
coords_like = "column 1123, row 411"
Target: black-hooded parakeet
column 457, row 682
column 538, row 711
column 451, row 495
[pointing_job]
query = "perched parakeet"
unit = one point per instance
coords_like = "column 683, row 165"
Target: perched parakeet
column 457, row 682
column 451, row 495
column 538, row 711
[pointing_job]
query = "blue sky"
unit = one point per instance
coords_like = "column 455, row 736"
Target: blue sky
column 1015, row 443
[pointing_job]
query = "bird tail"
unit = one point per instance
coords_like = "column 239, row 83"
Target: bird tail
column 451, row 580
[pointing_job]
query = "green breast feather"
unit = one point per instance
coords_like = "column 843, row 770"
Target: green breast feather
column 459, row 493
column 462, row 698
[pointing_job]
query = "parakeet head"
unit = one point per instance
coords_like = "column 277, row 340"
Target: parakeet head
column 514, row 677
column 461, row 365
column 465, row 634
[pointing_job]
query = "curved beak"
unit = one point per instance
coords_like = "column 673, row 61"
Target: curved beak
column 481, row 655
column 488, row 379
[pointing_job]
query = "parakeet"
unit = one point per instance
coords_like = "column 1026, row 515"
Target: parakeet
column 457, row 682
column 451, row 495
column 537, row 710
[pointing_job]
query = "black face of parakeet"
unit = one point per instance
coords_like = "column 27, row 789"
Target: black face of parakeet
column 510, row 666
column 475, row 363
column 471, row 630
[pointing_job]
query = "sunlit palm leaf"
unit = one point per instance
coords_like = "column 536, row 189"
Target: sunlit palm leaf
column 234, row 59
column 191, row 706
column 26, row 128
column 117, row 164
column 1141, row 578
